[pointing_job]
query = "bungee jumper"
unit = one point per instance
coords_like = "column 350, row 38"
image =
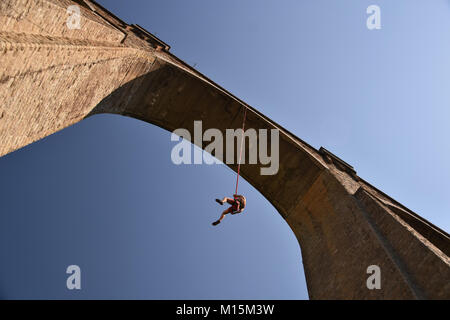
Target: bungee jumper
column 238, row 201
column 237, row 206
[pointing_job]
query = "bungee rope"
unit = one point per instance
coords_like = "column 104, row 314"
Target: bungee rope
column 240, row 153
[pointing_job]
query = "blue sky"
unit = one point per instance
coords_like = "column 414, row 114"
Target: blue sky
column 103, row 194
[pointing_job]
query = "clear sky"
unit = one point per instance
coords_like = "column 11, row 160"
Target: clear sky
column 104, row 194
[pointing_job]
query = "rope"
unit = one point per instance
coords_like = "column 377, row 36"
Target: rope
column 240, row 153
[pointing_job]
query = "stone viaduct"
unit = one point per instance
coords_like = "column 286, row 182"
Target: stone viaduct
column 52, row 76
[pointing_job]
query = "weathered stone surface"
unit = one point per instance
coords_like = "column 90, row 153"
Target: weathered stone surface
column 52, row 77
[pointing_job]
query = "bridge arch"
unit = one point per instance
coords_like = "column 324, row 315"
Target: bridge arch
column 52, row 77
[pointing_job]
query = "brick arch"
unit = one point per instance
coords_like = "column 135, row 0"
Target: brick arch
column 52, row 77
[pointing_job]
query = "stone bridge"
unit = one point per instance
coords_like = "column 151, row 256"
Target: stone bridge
column 52, row 76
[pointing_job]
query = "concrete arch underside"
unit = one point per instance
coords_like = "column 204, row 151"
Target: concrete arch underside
column 52, row 77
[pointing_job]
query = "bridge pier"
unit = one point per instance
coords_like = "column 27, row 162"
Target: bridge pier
column 52, row 77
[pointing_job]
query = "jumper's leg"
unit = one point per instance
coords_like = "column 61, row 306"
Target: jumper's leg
column 225, row 199
column 215, row 223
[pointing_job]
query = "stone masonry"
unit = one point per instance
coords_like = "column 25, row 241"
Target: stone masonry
column 52, row 77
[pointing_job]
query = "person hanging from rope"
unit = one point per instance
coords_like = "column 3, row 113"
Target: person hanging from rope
column 238, row 202
column 237, row 206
